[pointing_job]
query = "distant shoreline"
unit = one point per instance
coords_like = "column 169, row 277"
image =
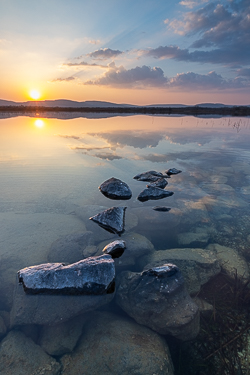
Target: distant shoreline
column 192, row 111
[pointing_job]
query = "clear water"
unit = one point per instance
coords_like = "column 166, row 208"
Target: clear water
column 50, row 169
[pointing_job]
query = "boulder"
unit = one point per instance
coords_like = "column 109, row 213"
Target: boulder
column 115, row 189
column 231, row 262
column 91, row 276
column 113, row 219
column 70, row 248
column 153, row 193
column 112, row 345
column 157, row 298
column 19, row 355
column 173, row 171
column 198, row 266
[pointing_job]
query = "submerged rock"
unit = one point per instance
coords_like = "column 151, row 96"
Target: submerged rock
column 91, row 276
column 21, row 356
column 115, row 248
column 161, row 208
column 112, row 220
column 115, row 345
column 115, row 189
column 150, row 176
column 70, row 248
column 173, row 171
column 160, row 183
column 157, row 298
column 153, row 193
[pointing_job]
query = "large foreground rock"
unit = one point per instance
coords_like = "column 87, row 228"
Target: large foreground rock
column 92, row 283
column 91, row 276
column 157, row 298
column 114, row 188
column 113, row 345
column 198, row 266
column 19, row 355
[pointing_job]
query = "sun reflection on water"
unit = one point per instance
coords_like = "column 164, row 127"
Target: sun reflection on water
column 39, row 123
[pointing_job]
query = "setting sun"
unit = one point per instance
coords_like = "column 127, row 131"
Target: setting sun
column 39, row 123
column 34, row 94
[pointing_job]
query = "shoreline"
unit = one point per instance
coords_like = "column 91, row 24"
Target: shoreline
column 192, row 111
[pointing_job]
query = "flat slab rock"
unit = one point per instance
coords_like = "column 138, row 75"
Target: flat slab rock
column 153, row 193
column 112, row 219
column 91, row 276
column 114, row 188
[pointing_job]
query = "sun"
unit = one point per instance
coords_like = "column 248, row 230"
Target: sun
column 34, row 94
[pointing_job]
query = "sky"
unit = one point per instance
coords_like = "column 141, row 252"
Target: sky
column 126, row 51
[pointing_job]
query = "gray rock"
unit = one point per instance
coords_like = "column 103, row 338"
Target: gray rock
column 157, row 298
column 115, row 189
column 113, row 219
column 231, row 262
column 112, row 345
column 198, row 239
column 51, row 309
column 136, row 246
column 19, row 355
column 3, row 328
column 149, row 176
column 160, row 183
column 62, row 338
column 91, row 276
column 161, row 208
column 70, row 248
column 173, row 171
column 153, row 193
column 197, row 266
column 206, row 309
column 115, row 248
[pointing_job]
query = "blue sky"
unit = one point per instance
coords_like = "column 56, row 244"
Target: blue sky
column 139, row 51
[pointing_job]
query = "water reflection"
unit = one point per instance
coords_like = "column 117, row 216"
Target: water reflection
column 49, row 189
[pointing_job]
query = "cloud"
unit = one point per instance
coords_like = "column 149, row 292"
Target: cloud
column 94, row 41
column 139, row 76
column 137, row 140
column 68, row 136
column 212, row 80
column 222, row 30
column 245, row 72
column 84, row 63
column 104, row 54
column 192, row 4
column 106, row 156
column 68, row 79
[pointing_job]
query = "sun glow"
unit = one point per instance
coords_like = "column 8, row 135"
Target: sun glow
column 34, row 94
column 39, row 123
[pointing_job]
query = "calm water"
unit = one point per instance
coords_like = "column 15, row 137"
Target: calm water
column 51, row 169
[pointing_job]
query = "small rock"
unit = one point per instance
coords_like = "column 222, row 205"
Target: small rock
column 173, row 171
column 115, row 189
column 150, row 176
column 91, row 276
column 112, row 220
column 161, row 208
column 198, row 239
column 115, row 248
column 160, row 183
column 153, row 193
column 157, row 298
column 20, row 355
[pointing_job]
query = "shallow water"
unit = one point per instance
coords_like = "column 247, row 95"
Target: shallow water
column 51, row 169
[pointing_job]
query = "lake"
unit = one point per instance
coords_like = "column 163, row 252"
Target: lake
column 50, row 173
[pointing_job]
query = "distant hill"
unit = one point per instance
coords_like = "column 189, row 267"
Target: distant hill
column 64, row 103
